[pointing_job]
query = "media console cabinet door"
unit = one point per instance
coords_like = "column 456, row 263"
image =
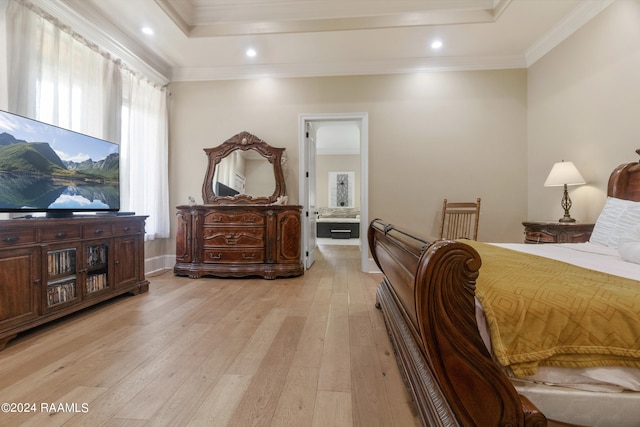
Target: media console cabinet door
column 125, row 252
column 20, row 286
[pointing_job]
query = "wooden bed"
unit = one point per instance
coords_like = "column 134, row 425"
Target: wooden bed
column 428, row 301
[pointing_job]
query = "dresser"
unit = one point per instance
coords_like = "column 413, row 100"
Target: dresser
column 237, row 241
column 556, row 232
column 245, row 226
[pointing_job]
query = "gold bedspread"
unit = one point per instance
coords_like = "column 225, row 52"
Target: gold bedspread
column 546, row 312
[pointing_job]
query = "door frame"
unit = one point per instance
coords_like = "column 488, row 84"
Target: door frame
column 363, row 122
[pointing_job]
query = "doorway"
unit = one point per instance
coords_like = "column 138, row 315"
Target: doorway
column 308, row 139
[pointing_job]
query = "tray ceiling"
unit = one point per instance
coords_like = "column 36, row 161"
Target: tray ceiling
column 208, row 39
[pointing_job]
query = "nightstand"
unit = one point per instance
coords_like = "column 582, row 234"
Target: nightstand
column 556, row 232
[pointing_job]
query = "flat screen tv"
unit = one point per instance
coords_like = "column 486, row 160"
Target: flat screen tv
column 45, row 168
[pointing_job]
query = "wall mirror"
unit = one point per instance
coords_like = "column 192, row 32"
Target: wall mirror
column 243, row 169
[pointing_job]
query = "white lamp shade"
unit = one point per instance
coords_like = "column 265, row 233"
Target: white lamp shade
column 564, row 173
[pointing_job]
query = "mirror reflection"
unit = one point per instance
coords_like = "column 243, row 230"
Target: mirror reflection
column 244, row 172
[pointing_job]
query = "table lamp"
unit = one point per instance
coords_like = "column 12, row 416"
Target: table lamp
column 564, row 174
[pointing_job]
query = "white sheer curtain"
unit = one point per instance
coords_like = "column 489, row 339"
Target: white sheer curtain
column 59, row 77
column 143, row 153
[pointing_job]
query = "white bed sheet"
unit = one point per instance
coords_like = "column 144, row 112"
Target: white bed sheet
column 595, row 257
column 587, row 408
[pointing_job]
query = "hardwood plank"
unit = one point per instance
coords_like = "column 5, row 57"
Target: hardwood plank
column 371, row 407
column 333, row 408
column 360, row 328
column 335, row 365
column 197, row 398
column 219, row 405
column 309, row 352
column 251, row 356
column 150, row 399
column 259, row 402
column 297, row 400
column 55, row 411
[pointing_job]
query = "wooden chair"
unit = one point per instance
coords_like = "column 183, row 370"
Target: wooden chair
column 460, row 220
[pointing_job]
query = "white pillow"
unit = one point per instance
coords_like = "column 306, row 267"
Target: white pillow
column 616, row 220
column 627, row 228
column 630, row 251
column 629, row 247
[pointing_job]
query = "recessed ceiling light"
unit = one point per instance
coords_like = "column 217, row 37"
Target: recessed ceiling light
column 147, row 30
column 251, row 52
column 436, row 44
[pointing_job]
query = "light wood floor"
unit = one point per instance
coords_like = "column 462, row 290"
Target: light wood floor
column 306, row 351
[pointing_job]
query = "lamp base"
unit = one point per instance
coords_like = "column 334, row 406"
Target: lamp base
column 566, row 205
column 566, row 219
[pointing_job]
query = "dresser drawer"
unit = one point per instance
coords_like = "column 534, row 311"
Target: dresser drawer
column 539, row 237
column 132, row 227
column 96, row 230
column 246, row 237
column 245, row 256
column 60, row 233
column 18, row 237
column 556, row 232
column 234, row 218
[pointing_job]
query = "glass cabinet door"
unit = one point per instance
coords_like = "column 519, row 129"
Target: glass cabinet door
column 62, row 274
column 96, row 279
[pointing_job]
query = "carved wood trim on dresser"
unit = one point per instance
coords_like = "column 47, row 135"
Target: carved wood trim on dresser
column 239, row 240
column 556, row 232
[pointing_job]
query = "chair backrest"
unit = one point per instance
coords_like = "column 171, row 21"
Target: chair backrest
column 460, row 220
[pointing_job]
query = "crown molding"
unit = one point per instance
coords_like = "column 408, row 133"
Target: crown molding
column 93, row 27
column 202, row 20
column 582, row 14
column 414, row 65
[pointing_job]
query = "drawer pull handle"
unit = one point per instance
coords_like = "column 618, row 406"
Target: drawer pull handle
column 212, row 256
column 11, row 239
column 97, row 231
column 245, row 256
column 127, row 228
column 61, row 234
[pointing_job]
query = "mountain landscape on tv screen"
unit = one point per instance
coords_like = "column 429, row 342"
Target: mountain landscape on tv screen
column 33, row 176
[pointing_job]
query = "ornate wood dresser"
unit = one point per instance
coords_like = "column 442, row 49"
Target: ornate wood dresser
column 238, row 241
column 241, row 234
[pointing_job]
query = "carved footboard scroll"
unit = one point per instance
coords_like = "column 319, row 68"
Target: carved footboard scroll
column 427, row 299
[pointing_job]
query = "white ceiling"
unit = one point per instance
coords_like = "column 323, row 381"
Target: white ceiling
column 337, row 137
column 207, row 39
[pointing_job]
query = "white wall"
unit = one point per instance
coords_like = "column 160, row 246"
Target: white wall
column 458, row 135
column 326, row 163
column 584, row 106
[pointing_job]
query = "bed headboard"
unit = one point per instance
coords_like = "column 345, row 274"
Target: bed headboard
column 624, row 182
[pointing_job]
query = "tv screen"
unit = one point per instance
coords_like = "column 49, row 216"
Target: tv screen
column 224, row 190
column 45, row 168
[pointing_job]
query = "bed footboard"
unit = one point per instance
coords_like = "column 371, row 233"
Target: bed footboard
column 427, row 299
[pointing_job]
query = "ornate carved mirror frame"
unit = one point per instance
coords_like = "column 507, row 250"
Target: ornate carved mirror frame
column 243, row 141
